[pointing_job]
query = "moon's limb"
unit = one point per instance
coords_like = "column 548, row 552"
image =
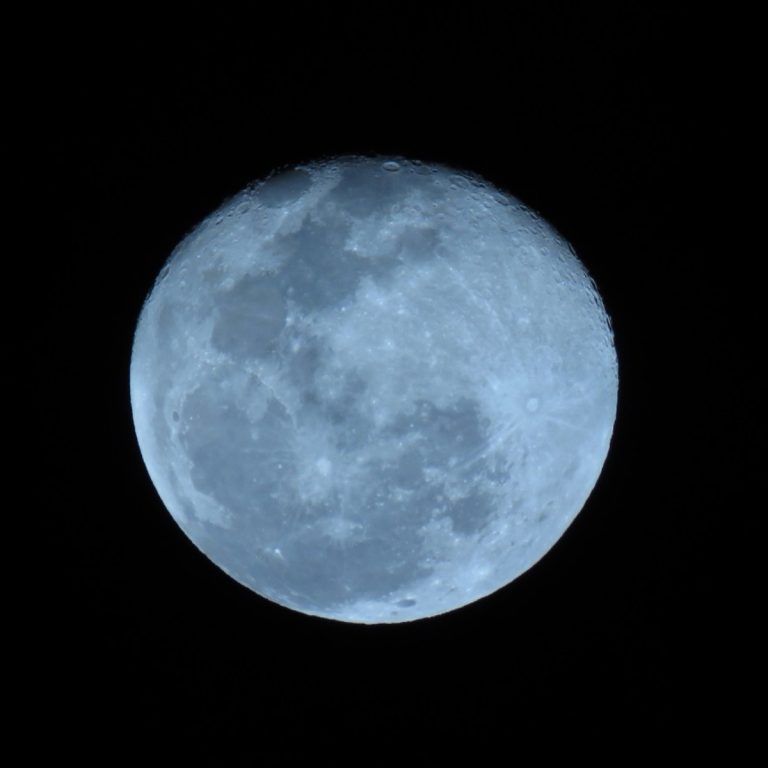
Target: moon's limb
column 374, row 390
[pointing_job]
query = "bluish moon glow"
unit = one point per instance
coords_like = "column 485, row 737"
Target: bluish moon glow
column 374, row 390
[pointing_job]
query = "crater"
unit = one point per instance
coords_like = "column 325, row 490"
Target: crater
column 368, row 569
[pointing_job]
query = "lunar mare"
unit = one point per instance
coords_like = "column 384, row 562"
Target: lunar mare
column 372, row 389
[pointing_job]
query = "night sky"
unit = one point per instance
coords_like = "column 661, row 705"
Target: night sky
column 637, row 626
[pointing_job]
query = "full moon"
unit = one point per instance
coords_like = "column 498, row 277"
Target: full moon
column 374, row 389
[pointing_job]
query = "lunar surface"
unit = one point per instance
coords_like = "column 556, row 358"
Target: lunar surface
column 374, row 390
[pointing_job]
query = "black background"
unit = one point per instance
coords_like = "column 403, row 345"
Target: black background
column 636, row 626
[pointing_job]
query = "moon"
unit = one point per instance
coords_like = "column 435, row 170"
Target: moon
column 373, row 389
